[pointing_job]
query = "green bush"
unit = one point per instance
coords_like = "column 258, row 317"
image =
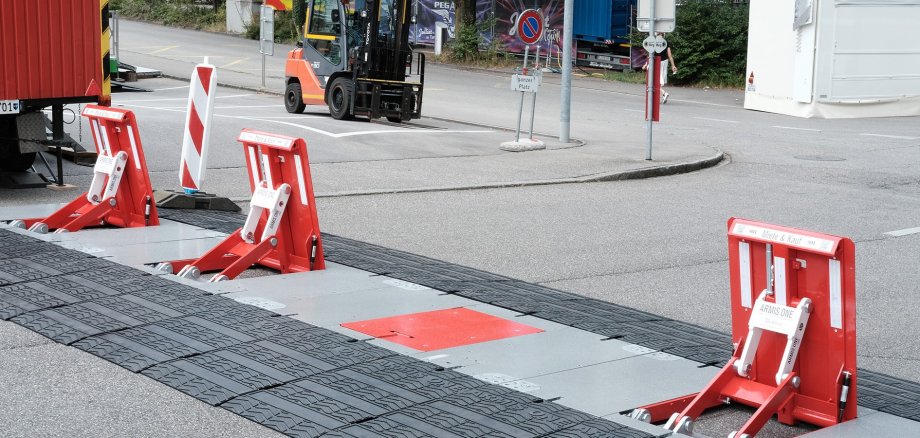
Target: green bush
column 190, row 14
column 709, row 43
column 286, row 30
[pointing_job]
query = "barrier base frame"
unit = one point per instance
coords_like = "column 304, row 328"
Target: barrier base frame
column 728, row 387
column 79, row 214
column 234, row 255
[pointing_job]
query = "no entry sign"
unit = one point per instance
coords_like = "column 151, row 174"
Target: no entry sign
column 530, row 26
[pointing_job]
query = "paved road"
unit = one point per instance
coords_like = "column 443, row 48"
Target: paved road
column 656, row 244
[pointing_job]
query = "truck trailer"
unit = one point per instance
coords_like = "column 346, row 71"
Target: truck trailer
column 52, row 53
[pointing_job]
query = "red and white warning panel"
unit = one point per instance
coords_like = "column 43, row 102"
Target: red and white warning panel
column 197, row 133
column 282, row 230
column 793, row 295
column 120, row 194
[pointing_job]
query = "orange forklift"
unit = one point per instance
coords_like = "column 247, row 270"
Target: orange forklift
column 355, row 57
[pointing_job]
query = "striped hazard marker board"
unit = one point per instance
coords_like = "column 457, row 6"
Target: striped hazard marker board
column 197, row 131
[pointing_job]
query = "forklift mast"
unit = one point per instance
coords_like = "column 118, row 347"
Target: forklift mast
column 387, row 47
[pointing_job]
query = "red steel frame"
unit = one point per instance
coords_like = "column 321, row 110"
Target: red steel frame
column 297, row 244
column 114, row 130
column 826, row 362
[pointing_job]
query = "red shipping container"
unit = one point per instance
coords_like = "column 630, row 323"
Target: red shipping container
column 52, row 50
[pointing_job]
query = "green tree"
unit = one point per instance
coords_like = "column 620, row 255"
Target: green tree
column 709, row 42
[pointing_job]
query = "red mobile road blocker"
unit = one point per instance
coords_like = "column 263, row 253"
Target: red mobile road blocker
column 796, row 340
column 278, row 234
column 120, row 193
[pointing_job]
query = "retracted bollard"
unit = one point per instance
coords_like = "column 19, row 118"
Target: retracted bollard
column 795, row 352
column 120, row 194
column 282, row 230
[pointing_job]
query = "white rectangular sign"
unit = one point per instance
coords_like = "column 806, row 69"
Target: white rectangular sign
column 527, row 84
column 776, row 318
column 9, row 107
column 665, row 12
column 267, row 31
column 802, row 241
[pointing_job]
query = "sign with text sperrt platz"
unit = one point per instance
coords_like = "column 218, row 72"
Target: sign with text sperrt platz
column 525, row 83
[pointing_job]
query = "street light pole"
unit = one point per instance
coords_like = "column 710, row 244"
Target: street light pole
column 565, row 114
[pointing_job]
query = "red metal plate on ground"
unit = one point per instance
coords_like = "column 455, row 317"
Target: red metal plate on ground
column 439, row 329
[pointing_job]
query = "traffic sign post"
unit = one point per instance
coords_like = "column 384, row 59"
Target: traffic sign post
column 266, row 35
column 656, row 16
column 650, row 88
column 529, row 26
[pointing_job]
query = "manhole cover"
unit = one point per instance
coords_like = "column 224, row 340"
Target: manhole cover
column 819, row 158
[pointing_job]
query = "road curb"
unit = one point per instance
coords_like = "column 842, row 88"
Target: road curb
column 648, row 172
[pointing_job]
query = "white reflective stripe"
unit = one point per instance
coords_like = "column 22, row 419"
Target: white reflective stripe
column 93, row 130
column 106, row 144
column 254, row 167
column 198, row 97
column 744, row 264
column 190, row 158
column 266, row 139
column 101, row 147
column 267, row 171
column 779, row 280
column 833, row 268
column 137, row 158
column 103, row 113
column 301, row 181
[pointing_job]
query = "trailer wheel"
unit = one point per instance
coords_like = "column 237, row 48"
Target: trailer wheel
column 13, row 161
column 339, row 96
column 395, row 119
column 10, row 158
column 293, row 98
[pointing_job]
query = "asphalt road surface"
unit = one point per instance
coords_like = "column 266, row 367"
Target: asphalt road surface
column 656, row 244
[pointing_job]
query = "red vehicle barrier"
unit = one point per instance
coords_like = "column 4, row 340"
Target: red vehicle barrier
column 120, row 194
column 796, row 340
column 282, row 230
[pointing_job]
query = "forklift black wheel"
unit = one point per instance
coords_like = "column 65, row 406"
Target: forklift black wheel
column 339, row 97
column 293, row 98
column 395, row 119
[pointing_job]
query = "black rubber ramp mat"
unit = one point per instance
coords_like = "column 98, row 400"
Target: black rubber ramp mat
column 68, row 324
column 876, row 391
column 223, row 374
column 47, row 293
column 141, row 347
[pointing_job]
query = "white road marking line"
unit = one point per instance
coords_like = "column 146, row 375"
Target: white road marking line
column 797, row 129
column 717, row 120
column 327, row 133
column 287, row 117
column 411, row 131
column 904, row 232
column 899, row 137
column 170, row 88
column 131, row 102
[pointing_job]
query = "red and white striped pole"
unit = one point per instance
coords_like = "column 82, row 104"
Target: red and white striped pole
column 197, row 127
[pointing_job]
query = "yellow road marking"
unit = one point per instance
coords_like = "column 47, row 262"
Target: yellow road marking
column 162, row 50
column 234, row 62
